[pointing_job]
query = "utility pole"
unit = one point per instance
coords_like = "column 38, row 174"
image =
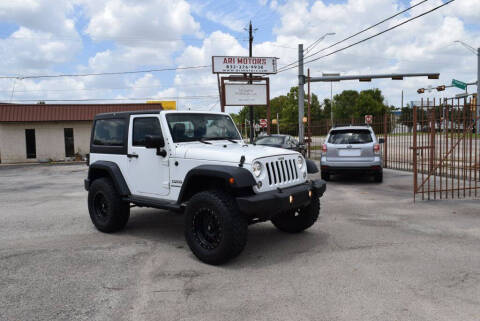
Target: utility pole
column 301, row 94
column 250, row 108
column 478, row 92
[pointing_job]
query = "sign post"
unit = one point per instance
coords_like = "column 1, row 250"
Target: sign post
column 245, row 94
column 459, row 84
column 263, row 123
column 368, row 119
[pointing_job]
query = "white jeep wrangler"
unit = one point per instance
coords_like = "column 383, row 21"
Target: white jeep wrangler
column 196, row 162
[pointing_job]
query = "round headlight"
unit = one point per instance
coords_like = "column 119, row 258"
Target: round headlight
column 257, row 168
column 300, row 162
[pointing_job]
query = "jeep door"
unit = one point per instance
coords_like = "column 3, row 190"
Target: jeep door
column 148, row 173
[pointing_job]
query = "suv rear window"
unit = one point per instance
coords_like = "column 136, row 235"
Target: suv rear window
column 350, row 136
column 109, row 132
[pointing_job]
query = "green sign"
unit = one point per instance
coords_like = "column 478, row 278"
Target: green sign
column 459, row 84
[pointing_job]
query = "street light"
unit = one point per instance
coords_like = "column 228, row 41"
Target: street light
column 301, row 83
column 318, row 41
column 331, row 92
column 477, row 53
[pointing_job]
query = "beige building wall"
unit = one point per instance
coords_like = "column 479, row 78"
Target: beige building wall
column 49, row 139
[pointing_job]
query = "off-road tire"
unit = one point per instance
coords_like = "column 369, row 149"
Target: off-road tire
column 325, row 176
column 109, row 213
column 298, row 220
column 378, row 177
column 220, row 209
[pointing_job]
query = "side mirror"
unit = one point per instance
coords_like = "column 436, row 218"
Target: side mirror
column 155, row 141
column 381, row 140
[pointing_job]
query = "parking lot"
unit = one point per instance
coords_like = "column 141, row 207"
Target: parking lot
column 373, row 255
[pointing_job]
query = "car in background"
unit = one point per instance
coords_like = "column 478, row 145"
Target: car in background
column 350, row 149
column 281, row 141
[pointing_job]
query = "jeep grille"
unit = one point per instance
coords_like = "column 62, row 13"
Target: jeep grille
column 281, row 171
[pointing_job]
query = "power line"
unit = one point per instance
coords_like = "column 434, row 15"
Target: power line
column 127, row 98
column 105, row 73
column 356, row 34
column 368, row 38
column 183, row 85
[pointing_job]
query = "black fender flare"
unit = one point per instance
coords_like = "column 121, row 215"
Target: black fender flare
column 241, row 177
column 311, row 166
column 113, row 172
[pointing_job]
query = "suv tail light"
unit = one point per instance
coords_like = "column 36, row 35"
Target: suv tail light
column 376, row 148
column 324, row 148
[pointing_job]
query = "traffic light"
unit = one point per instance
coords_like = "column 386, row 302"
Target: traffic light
column 421, row 90
column 441, row 88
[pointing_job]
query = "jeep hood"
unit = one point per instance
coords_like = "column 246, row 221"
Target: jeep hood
column 227, row 152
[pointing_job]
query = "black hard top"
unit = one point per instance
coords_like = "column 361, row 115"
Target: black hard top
column 125, row 114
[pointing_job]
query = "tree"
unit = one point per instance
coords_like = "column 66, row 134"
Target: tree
column 352, row 104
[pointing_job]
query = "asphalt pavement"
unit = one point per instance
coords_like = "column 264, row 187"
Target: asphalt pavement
column 373, row 255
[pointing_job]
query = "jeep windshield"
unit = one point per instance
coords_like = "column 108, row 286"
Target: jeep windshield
column 201, row 127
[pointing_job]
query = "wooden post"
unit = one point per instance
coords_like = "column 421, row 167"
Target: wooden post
column 269, row 116
column 414, row 151
column 309, row 114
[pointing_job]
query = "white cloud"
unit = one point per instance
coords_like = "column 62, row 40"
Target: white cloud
column 152, row 22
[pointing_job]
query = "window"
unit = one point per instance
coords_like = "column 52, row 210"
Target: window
column 197, row 126
column 109, row 132
column 30, row 142
column 270, row 140
column 69, row 147
column 143, row 127
column 350, row 136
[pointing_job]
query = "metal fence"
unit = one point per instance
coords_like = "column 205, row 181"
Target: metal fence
column 436, row 141
column 446, row 150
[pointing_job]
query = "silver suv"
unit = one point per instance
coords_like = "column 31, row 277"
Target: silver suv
column 352, row 149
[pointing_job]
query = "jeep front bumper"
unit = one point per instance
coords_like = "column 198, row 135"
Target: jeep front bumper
column 268, row 204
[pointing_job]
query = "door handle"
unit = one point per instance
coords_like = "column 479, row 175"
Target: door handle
column 132, row 155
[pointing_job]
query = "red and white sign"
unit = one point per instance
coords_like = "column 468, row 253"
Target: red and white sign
column 244, row 65
column 368, row 119
column 263, row 123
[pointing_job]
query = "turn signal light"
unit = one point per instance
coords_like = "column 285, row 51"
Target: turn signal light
column 290, row 199
column 376, row 148
column 231, row 180
column 324, row 148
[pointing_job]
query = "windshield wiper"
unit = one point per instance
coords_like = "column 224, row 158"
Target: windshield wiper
column 203, row 140
column 224, row 138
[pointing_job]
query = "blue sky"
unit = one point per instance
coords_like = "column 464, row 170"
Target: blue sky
column 51, row 37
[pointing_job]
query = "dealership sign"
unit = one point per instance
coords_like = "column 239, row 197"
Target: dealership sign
column 244, row 65
column 245, row 94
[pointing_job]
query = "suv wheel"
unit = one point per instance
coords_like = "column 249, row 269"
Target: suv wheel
column 107, row 210
column 378, row 178
column 214, row 228
column 298, row 220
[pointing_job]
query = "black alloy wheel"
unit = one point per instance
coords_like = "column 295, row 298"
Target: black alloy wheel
column 206, row 228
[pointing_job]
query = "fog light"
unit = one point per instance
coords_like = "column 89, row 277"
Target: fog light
column 304, row 175
column 291, row 199
column 259, row 184
column 309, row 193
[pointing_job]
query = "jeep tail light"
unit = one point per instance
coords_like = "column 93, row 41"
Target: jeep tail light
column 324, row 148
column 376, row 148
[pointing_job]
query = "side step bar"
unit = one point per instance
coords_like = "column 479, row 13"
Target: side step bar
column 153, row 202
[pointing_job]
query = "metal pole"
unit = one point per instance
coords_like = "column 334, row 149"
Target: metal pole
column 402, row 98
column 301, row 94
column 278, row 125
column 331, row 102
column 250, row 108
column 477, row 101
